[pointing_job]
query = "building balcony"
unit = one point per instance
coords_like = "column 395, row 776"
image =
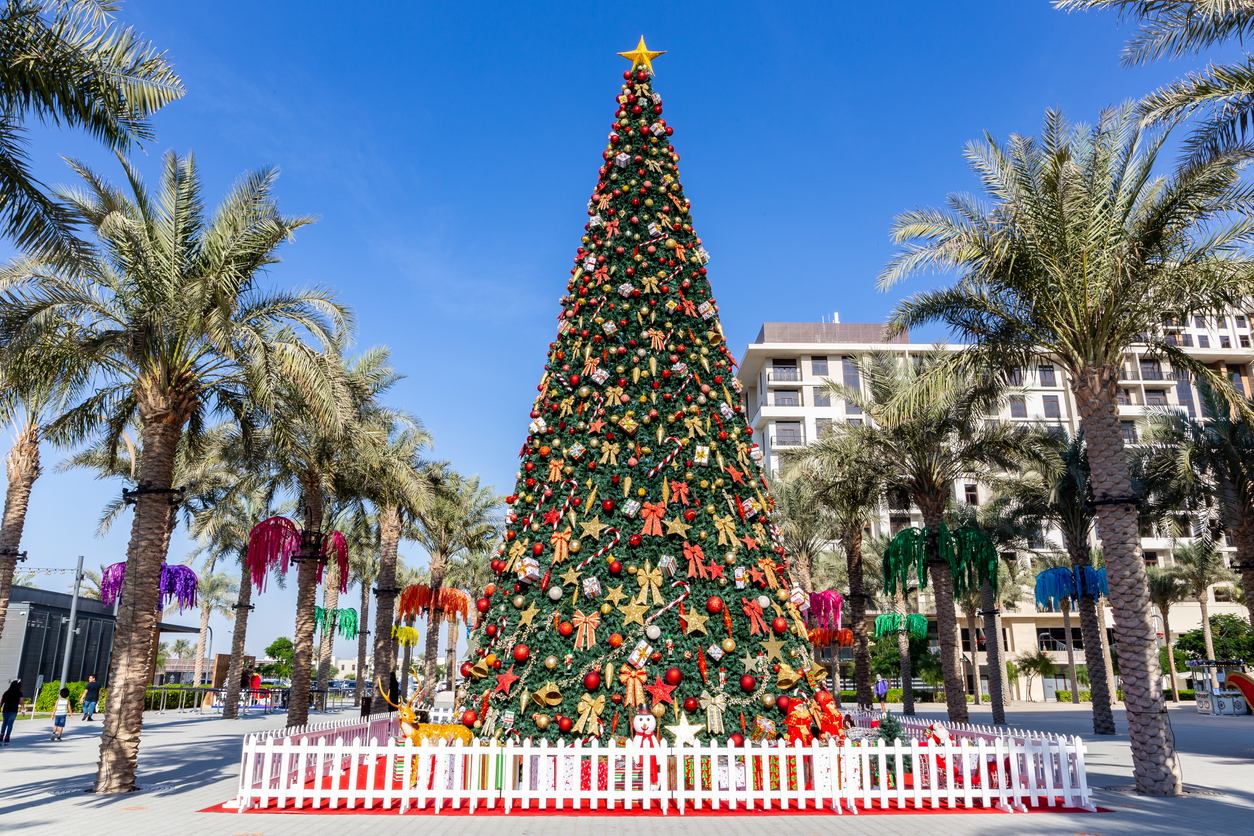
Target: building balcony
column 783, row 374
column 788, row 440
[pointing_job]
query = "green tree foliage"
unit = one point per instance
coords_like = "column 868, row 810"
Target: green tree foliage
column 282, row 651
column 1232, row 637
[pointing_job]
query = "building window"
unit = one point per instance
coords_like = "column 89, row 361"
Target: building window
column 1203, row 341
column 785, row 369
column 857, row 422
column 1225, row 341
column 821, row 397
column 1187, row 340
column 1018, row 407
column 1151, row 558
column 1128, row 430
column 1240, row 320
column 788, row 433
column 1234, row 375
column 1184, row 394
column 898, row 524
column 787, row 397
column 972, row 494
column 1223, row 595
column 1151, row 370
column 1051, row 406
column 1016, row 377
column 1223, row 321
column 1199, row 322
column 849, row 370
column 818, row 366
column 1155, row 397
column 1047, row 375
column 1125, row 397
column 822, row 426
column 1244, row 340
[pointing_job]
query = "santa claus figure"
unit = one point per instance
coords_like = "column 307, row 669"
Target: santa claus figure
column 828, row 717
column 644, row 735
column 799, row 723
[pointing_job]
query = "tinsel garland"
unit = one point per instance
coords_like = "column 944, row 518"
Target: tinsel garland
column 177, row 583
column 415, row 600
column 271, row 545
column 825, row 609
column 970, row 554
column 1055, row 585
column 889, row 623
column 339, row 545
column 1092, row 581
column 405, row 635
column 345, row 621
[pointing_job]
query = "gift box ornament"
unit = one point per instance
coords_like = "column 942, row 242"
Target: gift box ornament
column 529, row 570
column 609, row 328
column 576, row 451
column 680, row 368
column 600, row 376
column 736, row 385
column 738, row 574
column 671, row 306
column 763, row 729
column 799, row 598
column 752, row 508
column 657, row 128
column 629, row 425
column 595, row 220
column 714, row 652
column 701, row 455
column 626, row 289
column 590, row 263
column 755, row 453
column 564, row 327
column 706, row 309
column 726, row 410
column 621, row 160
column 655, row 231
column 640, row 654
column 592, row 587
column 631, row 507
column 537, row 426
column 507, row 719
column 703, row 255
column 667, row 564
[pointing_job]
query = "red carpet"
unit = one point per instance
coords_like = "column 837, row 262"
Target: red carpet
column 636, row 810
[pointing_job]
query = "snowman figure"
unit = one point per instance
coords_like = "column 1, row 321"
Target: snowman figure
column 644, row 736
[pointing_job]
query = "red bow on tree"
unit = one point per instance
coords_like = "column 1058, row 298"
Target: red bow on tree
column 754, row 612
column 695, row 557
column 652, row 513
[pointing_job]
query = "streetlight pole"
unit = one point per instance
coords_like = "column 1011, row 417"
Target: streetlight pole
column 69, row 636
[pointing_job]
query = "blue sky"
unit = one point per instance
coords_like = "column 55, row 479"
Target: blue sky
column 449, row 150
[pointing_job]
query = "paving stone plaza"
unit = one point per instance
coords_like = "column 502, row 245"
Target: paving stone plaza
column 189, row 762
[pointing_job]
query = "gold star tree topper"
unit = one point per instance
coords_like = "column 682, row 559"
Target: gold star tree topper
column 641, row 55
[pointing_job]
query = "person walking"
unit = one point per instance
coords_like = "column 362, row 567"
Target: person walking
column 394, row 691
column 881, row 692
column 10, row 705
column 91, row 697
column 60, row 713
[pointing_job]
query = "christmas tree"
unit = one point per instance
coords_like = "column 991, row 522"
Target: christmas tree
column 640, row 568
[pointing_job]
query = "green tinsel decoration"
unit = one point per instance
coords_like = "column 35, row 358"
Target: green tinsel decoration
column 890, row 623
column 886, row 624
column 345, row 621
column 970, row 554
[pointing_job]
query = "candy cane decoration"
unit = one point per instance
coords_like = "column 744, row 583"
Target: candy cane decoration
column 675, row 603
column 603, row 549
column 669, row 458
column 570, row 497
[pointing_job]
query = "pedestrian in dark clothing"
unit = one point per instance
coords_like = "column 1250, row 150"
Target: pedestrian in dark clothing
column 91, row 696
column 394, row 691
column 10, row 705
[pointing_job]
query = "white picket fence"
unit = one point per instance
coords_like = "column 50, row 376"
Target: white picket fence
column 348, row 767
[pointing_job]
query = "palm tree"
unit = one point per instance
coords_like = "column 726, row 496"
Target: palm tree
column 216, row 593
column 1080, row 255
column 66, row 63
column 471, row 571
column 1056, row 492
column 928, row 428
column 1209, row 462
column 850, row 478
column 363, row 564
column 167, row 321
column 805, row 524
column 1165, row 590
column 181, row 649
column 407, row 576
column 1051, row 563
column 360, row 536
column 1199, row 566
column 460, row 518
column 1034, row 663
column 91, row 584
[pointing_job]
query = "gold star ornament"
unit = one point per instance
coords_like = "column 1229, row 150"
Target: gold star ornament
column 641, row 55
column 685, row 733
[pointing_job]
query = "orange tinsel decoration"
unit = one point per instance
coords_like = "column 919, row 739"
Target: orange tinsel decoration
column 416, row 600
column 822, row 637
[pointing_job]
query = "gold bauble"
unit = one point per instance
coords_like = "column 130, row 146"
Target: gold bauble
column 541, row 721
column 568, row 470
column 535, row 526
column 729, row 645
column 718, row 483
column 722, row 581
column 710, row 509
column 768, row 700
column 631, row 570
column 642, row 492
column 574, row 546
column 550, row 662
column 648, row 201
column 729, row 558
column 702, row 535
column 781, row 594
column 606, row 609
column 519, row 602
column 659, row 711
column 689, row 476
column 705, row 483
column 478, row 724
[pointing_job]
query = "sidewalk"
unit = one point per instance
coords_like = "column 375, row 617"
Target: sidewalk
column 188, row 763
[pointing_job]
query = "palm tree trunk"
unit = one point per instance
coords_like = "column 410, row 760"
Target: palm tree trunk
column 1112, row 681
column 306, row 600
column 199, row 670
column 22, row 464
column 405, row 656
column 992, row 650
column 1155, row 767
column 802, row 571
column 1242, row 535
column 1208, row 636
column 946, row 616
column 384, row 649
column 431, row 660
column 975, row 656
column 1171, row 654
column 331, row 603
column 230, row 706
column 450, row 662
column 903, row 656
column 359, row 683
column 1066, row 629
column 134, row 635
column 857, row 618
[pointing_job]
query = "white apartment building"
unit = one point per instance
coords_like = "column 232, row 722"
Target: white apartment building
column 784, row 369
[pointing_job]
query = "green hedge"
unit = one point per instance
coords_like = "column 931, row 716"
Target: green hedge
column 1086, row 696
column 47, row 699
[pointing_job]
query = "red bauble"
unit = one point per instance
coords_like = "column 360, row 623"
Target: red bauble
column 565, row 629
column 616, row 640
column 521, row 653
column 565, row 724
column 779, row 624
column 691, row 704
column 655, row 656
column 782, row 703
column 483, row 605
column 616, row 698
column 538, row 549
column 489, row 590
column 497, row 664
column 592, row 681
column 615, row 567
column 748, row 683
column 634, row 539
column 470, row 717
column 714, row 605
column 465, row 669
column 736, row 739
column 674, row 676
column 690, row 515
column 607, row 506
column 490, row 630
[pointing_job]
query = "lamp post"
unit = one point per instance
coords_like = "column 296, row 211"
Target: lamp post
column 69, row 636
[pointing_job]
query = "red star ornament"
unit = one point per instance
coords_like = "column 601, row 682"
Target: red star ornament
column 660, row 691
column 505, row 681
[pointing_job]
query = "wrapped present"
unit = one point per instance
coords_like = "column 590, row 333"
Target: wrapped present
column 738, row 574
column 671, row 306
column 798, row 596
column 714, row 652
column 680, row 368
column 610, row 328
column 706, row 309
column 592, row 587
column 595, row 220
column 529, row 570
column 626, row 289
column 537, row 426
column 585, row 774
column 600, row 376
column 629, row 425
column 507, row 718
column 701, row 455
column 736, row 385
column 763, row 729
column 640, row 654
column 590, row 263
column 667, row 564
column 752, row 508
column 726, row 410
column 703, row 255
column 657, row 128
column 655, row 231
column 564, row 327
column 755, row 453
column 576, row 451
column 621, row 160
column 657, row 98
column 667, row 179
column 631, row 507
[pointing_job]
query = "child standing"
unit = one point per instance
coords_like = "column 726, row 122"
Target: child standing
column 60, row 713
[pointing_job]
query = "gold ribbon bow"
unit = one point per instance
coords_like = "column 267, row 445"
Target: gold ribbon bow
column 798, row 623
column 648, row 284
column 694, row 426
column 634, row 681
column 561, row 545
column 585, row 630
column 609, row 453
column 714, row 706
column 696, row 558
column 590, row 364
column 567, row 406
column 726, row 528
column 548, row 696
column 754, row 612
column 651, row 513
column 768, row 568
column 657, row 337
column 649, row 579
column 588, row 708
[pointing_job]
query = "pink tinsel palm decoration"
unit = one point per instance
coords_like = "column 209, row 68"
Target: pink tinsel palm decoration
column 336, row 541
column 825, row 609
column 271, row 544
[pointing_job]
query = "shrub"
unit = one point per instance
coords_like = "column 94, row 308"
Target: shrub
column 47, row 699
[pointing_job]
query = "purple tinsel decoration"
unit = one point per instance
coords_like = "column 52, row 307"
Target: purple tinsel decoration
column 825, row 609
column 177, row 583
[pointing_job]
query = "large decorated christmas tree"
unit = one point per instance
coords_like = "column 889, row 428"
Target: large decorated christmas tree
column 640, row 568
